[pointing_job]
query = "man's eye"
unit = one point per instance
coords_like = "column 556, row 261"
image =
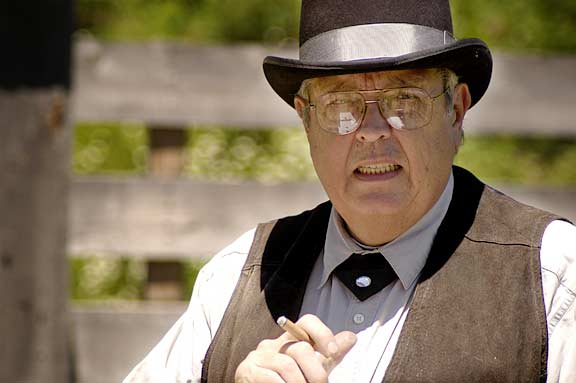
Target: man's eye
column 407, row 97
column 339, row 102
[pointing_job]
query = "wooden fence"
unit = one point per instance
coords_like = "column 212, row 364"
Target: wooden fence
column 165, row 218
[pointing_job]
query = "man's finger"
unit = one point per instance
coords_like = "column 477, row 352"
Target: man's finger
column 322, row 337
column 264, row 366
column 310, row 361
column 345, row 340
column 256, row 375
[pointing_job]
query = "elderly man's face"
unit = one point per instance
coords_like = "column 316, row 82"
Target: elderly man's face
column 377, row 170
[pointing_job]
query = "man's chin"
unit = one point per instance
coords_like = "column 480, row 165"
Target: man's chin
column 379, row 204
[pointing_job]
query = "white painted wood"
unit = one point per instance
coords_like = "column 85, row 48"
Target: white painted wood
column 182, row 84
column 110, row 338
column 188, row 219
column 531, row 95
column 162, row 218
column 176, row 84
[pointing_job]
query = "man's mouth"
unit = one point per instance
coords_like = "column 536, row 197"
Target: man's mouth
column 377, row 169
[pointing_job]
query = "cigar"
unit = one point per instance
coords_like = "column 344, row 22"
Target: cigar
column 293, row 329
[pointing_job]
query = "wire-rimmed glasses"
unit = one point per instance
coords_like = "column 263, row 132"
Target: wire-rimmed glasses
column 403, row 108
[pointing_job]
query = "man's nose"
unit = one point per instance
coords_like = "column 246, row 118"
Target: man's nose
column 373, row 126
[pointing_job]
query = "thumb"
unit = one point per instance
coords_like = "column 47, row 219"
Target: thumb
column 345, row 341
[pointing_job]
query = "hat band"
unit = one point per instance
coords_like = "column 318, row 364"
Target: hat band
column 371, row 41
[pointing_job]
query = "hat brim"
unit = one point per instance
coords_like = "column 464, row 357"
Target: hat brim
column 470, row 59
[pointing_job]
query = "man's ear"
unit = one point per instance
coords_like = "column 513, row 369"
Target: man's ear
column 300, row 105
column 461, row 103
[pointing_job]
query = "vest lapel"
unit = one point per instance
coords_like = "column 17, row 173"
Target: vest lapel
column 284, row 289
column 456, row 223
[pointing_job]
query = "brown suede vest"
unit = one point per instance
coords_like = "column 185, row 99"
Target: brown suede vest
column 477, row 314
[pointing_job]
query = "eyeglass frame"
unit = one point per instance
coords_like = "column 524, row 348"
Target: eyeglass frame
column 379, row 91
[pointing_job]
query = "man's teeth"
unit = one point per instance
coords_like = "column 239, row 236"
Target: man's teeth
column 377, row 169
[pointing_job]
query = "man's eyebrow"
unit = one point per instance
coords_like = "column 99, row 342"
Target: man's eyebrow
column 409, row 79
column 331, row 86
column 401, row 80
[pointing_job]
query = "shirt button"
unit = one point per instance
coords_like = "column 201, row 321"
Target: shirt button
column 363, row 281
column 358, row 318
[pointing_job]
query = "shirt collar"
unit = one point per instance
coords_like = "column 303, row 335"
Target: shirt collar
column 406, row 254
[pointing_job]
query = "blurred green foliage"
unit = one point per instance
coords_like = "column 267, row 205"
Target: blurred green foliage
column 94, row 277
column 236, row 154
column 193, row 20
column 191, row 269
column 508, row 159
column 533, row 25
column 277, row 155
column 109, row 148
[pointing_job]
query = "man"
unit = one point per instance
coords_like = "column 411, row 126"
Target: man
column 414, row 271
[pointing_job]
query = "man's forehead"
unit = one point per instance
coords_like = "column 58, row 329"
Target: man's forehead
column 379, row 80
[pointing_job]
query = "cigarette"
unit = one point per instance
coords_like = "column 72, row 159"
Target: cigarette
column 293, row 329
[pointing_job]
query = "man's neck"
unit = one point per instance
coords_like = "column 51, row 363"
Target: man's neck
column 377, row 230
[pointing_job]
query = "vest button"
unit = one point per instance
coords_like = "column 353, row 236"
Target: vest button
column 363, row 281
column 358, row 318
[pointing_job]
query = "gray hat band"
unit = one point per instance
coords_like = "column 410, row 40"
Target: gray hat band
column 371, row 41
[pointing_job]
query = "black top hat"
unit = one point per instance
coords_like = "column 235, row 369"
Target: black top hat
column 355, row 36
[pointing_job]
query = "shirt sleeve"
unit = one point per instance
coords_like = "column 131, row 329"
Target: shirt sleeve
column 178, row 357
column 558, row 261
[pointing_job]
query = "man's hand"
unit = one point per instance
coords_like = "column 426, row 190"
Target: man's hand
column 286, row 359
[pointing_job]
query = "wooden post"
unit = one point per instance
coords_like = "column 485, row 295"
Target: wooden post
column 34, row 164
column 166, row 159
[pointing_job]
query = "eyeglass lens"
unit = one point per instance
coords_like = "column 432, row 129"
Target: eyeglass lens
column 404, row 108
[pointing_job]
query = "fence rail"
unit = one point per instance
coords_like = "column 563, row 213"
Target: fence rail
column 179, row 85
column 179, row 219
column 174, row 219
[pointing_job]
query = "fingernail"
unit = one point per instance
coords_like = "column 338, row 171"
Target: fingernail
column 332, row 348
